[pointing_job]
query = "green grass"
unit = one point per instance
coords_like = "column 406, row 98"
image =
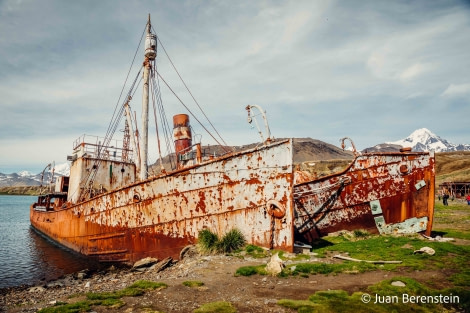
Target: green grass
column 341, row 301
column 374, row 248
column 109, row 299
column 145, row 285
column 324, row 268
column 82, row 306
column 126, row 292
column 255, row 251
column 298, row 257
column 453, row 206
column 399, row 248
column 251, row 270
column 451, row 233
column 450, row 220
column 193, row 283
column 360, row 233
column 216, row 307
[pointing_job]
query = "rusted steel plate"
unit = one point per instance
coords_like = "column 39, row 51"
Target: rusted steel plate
column 402, row 183
column 159, row 216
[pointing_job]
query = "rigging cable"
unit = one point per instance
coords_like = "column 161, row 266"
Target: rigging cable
column 125, row 81
column 164, row 120
column 154, row 93
column 117, row 118
column 192, row 114
column 107, row 139
column 189, row 91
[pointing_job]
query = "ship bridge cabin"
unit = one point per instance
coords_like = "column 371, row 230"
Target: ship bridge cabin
column 97, row 168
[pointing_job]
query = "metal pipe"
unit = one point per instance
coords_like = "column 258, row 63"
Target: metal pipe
column 266, row 125
column 132, row 135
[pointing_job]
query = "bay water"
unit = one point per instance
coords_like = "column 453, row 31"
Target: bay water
column 27, row 258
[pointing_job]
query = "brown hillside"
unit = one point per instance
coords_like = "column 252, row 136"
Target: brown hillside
column 20, row 190
column 452, row 167
column 305, row 150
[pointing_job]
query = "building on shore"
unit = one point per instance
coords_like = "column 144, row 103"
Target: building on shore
column 455, row 189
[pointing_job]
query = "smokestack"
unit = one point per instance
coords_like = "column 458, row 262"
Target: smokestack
column 181, row 135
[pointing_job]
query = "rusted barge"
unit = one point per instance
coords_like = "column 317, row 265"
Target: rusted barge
column 111, row 209
column 386, row 193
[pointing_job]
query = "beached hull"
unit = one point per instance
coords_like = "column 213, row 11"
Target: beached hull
column 161, row 215
column 382, row 193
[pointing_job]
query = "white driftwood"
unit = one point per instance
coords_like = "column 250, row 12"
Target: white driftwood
column 438, row 238
column 373, row 262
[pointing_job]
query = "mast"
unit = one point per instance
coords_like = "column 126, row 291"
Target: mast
column 132, row 136
column 150, row 54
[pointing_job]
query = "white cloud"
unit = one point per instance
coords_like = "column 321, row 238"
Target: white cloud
column 413, row 71
column 456, row 90
column 408, row 51
column 319, row 68
column 294, row 24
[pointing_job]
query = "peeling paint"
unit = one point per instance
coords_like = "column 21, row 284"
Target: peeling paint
column 344, row 200
column 159, row 216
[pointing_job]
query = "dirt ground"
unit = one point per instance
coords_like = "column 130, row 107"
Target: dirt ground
column 247, row 294
column 255, row 293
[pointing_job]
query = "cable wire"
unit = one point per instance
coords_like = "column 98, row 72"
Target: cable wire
column 189, row 91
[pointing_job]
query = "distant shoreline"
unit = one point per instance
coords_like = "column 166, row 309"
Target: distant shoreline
column 20, row 190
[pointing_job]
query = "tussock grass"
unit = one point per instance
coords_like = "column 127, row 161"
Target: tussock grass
column 231, row 241
column 209, row 242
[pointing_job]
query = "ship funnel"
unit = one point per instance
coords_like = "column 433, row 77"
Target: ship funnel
column 151, row 46
column 181, row 135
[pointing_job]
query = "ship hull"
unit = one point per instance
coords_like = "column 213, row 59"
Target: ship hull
column 253, row 191
column 161, row 215
column 386, row 193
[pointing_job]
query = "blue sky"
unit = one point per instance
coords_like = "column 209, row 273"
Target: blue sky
column 374, row 71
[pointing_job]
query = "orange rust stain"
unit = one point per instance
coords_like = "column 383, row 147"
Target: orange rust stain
column 253, row 181
column 202, row 202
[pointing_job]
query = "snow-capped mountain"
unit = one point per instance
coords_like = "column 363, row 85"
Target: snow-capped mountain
column 62, row 169
column 25, row 174
column 25, row 178
column 425, row 140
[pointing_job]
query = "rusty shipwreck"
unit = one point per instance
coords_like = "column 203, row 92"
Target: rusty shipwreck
column 111, row 208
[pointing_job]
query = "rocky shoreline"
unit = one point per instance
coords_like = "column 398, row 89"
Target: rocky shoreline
column 32, row 298
column 196, row 280
column 212, row 271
